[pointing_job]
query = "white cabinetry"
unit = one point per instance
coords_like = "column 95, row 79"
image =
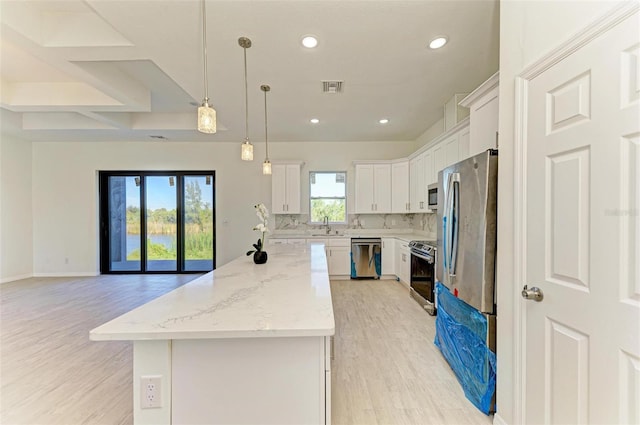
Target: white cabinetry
column 400, row 202
column 454, row 112
column 418, row 184
column 285, row 189
column 373, row 188
column 388, row 256
column 403, row 261
column 483, row 106
column 339, row 256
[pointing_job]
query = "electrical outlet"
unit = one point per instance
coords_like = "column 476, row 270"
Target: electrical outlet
column 150, row 391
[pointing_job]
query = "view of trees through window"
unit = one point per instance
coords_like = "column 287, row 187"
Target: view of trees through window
column 328, row 196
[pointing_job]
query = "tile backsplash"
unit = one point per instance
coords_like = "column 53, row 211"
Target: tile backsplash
column 423, row 223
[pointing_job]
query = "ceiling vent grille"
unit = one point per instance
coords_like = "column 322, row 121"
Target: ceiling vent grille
column 332, row 86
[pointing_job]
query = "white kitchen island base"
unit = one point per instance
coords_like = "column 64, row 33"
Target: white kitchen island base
column 245, row 344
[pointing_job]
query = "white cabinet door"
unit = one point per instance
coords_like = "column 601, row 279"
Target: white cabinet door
column 285, row 189
column 293, row 188
column 382, row 188
column 400, row 187
column 339, row 260
column 484, row 123
column 439, row 159
column 418, row 184
column 404, row 272
column 364, row 188
column 451, row 145
column 388, row 256
column 278, row 189
column 428, row 168
column 463, row 143
column 373, row 188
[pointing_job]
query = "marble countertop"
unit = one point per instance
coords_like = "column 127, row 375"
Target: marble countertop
column 288, row 296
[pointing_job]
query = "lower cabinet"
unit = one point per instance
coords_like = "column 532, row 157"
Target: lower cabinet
column 403, row 261
column 389, row 256
column 339, row 256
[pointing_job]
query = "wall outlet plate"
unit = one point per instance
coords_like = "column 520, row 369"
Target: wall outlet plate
column 150, row 391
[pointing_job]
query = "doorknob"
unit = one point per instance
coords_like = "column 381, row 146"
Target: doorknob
column 532, row 294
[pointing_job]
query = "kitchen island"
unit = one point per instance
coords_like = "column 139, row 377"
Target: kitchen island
column 243, row 344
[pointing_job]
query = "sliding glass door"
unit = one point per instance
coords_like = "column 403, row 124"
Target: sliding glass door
column 157, row 222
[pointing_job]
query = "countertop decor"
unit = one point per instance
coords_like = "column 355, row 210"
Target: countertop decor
column 260, row 256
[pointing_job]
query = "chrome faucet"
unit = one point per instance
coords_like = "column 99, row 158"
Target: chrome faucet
column 325, row 222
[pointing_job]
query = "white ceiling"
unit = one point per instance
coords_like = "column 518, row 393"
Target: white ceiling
column 127, row 70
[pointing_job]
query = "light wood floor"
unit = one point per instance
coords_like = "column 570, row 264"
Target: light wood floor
column 386, row 369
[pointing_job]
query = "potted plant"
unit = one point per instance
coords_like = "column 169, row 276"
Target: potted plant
column 259, row 255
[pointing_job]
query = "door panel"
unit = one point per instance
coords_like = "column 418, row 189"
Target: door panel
column 198, row 223
column 124, row 223
column 582, row 236
column 162, row 219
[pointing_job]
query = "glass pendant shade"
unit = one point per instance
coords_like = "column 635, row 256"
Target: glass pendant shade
column 266, row 167
column 247, row 151
column 206, row 119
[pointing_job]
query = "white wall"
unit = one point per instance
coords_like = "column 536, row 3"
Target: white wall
column 430, row 133
column 65, row 196
column 528, row 30
column 16, row 237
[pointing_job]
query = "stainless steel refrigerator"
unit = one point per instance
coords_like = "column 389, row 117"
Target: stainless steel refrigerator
column 466, row 332
column 467, row 204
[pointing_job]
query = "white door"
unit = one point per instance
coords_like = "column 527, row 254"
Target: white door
column 364, row 188
column 400, row 187
column 382, row 188
column 582, row 341
column 293, row 189
column 278, row 189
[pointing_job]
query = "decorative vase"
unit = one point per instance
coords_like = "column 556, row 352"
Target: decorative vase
column 260, row 257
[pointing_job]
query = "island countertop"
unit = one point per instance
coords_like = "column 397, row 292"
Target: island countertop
column 288, row 296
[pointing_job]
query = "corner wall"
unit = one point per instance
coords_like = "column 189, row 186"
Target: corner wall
column 528, row 31
column 65, row 189
column 16, row 231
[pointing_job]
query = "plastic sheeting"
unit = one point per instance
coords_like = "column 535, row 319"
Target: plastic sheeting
column 461, row 333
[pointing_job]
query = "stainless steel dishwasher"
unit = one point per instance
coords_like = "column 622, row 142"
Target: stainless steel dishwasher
column 365, row 258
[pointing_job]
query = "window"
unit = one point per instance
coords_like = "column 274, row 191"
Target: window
column 328, row 196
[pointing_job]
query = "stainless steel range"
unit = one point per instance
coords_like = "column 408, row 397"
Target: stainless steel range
column 423, row 278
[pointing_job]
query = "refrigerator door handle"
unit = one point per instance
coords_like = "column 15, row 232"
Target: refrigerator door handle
column 450, row 225
column 455, row 225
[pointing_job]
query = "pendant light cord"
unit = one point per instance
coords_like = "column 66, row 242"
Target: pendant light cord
column 204, row 44
column 246, row 98
column 266, row 138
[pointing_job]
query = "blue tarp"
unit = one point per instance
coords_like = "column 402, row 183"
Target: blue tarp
column 461, row 337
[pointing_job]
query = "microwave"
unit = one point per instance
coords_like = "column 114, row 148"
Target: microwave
column 432, row 196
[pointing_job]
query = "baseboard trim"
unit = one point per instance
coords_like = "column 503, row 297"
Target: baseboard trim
column 66, row 274
column 14, row 278
column 497, row 420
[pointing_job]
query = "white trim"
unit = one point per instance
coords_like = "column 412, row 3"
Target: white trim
column 519, row 246
column 497, row 420
column 288, row 162
column 484, row 88
column 600, row 26
column 66, row 274
column 456, row 128
column 14, row 278
column 620, row 12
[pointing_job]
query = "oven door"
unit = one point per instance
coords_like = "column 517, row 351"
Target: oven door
column 423, row 280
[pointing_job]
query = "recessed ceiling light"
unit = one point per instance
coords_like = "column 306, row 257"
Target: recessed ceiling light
column 309, row 41
column 314, row 120
column 383, row 121
column 438, row 42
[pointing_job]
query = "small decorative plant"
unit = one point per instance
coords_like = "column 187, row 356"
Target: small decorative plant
column 260, row 256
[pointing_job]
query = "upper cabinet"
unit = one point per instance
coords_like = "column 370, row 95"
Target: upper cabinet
column 483, row 109
column 373, row 188
column 400, row 202
column 418, row 184
column 454, row 112
column 285, row 188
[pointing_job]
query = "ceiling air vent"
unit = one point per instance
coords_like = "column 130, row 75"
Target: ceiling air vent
column 332, row 86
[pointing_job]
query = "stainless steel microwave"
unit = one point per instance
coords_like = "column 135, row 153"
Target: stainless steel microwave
column 432, row 196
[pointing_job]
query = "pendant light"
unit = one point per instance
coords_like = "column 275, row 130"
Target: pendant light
column 247, row 147
column 266, row 165
column 206, row 114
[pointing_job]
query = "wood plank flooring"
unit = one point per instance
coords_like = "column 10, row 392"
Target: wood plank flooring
column 386, row 369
